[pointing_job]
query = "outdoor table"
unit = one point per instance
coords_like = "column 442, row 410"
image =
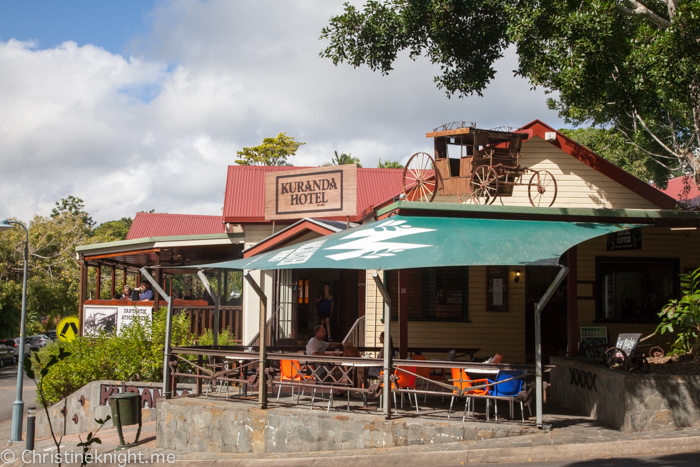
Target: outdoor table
column 363, row 365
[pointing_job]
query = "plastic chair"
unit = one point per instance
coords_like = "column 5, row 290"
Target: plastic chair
column 462, row 384
column 290, row 371
column 424, row 373
column 404, row 381
column 507, row 389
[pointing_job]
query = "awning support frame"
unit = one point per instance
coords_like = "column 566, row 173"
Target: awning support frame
column 217, row 300
column 262, row 377
column 386, row 392
column 167, row 390
column 539, row 306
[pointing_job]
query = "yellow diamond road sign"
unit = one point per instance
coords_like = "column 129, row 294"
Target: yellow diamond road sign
column 67, row 329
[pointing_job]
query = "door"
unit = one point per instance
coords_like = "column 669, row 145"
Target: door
column 286, row 329
column 554, row 319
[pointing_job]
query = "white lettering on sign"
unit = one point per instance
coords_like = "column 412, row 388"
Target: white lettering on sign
column 372, row 243
column 302, row 254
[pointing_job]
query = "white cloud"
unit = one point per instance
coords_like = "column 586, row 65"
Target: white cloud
column 158, row 129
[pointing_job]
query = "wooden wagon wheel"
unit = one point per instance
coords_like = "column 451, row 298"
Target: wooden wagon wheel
column 614, row 356
column 420, row 178
column 484, row 185
column 542, row 189
column 637, row 363
column 656, row 352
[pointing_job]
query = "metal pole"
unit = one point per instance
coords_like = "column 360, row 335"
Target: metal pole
column 168, row 331
column 18, row 405
column 31, row 418
column 539, row 306
column 262, row 393
column 217, row 298
column 386, row 393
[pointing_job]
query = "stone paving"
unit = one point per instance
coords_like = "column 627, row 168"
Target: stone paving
column 571, row 436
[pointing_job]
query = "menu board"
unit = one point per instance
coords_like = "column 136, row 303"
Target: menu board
column 497, row 288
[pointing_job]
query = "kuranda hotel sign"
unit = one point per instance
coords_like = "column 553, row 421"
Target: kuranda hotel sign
column 321, row 192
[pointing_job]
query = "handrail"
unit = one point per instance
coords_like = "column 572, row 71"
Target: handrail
column 268, row 326
column 356, row 334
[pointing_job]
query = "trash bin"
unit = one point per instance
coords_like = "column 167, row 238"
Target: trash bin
column 126, row 410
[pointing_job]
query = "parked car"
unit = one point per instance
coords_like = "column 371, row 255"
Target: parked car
column 38, row 341
column 7, row 355
column 14, row 343
column 52, row 335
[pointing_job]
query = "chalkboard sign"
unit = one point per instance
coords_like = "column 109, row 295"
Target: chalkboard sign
column 628, row 342
column 594, row 340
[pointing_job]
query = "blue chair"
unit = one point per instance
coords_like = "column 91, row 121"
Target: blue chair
column 508, row 389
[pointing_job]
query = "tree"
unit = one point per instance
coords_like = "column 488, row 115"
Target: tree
column 612, row 146
column 272, row 151
column 74, row 206
column 343, row 159
column 389, row 165
column 632, row 65
column 118, row 229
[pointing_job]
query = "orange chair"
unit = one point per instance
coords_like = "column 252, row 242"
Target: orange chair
column 290, row 371
column 404, row 381
column 462, row 384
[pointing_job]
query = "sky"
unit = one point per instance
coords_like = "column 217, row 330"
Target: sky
column 137, row 105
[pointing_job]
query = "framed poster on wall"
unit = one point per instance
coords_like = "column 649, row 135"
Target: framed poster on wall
column 497, row 288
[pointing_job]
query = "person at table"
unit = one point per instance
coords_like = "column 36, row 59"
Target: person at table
column 374, row 372
column 126, row 293
column 318, row 346
column 324, row 305
column 146, row 292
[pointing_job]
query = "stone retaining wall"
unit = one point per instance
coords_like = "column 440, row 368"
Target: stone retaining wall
column 201, row 425
column 77, row 412
column 628, row 402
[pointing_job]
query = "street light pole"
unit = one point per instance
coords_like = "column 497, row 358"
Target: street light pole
column 18, row 405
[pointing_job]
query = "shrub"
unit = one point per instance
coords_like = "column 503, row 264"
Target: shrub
column 225, row 338
column 136, row 354
column 683, row 315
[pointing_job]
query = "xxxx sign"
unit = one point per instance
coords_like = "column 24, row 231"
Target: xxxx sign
column 319, row 192
column 67, row 329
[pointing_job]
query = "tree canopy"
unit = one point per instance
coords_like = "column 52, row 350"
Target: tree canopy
column 53, row 272
column 272, row 151
column 632, row 65
column 343, row 159
column 389, row 165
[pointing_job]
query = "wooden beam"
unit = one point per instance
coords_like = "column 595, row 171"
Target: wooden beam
column 572, row 333
column 403, row 314
column 99, row 280
column 82, row 294
column 124, row 253
column 114, row 280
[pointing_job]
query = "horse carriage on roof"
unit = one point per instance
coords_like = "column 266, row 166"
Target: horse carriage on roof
column 484, row 165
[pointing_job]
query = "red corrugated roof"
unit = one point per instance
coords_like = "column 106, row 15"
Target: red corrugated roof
column 245, row 191
column 675, row 190
column 148, row 224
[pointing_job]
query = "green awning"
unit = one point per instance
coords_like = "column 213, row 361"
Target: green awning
column 404, row 242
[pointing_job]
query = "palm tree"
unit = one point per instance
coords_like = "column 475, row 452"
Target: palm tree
column 389, row 165
column 343, row 159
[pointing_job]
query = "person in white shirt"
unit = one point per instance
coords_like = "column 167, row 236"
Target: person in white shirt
column 317, row 346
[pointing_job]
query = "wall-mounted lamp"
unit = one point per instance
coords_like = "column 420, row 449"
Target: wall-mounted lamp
column 517, row 275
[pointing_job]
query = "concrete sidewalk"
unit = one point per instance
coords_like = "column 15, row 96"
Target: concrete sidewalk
column 572, row 437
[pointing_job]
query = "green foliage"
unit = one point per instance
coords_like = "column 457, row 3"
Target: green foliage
column 134, row 355
column 117, row 229
column 607, row 62
column 612, row 146
column 74, row 206
column 53, row 272
column 272, row 151
column 343, row 159
column 389, row 165
column 683, row 316
column 225, row 338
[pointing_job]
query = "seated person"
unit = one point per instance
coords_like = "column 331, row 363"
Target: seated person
column 146, row 292
column 127, row 293
column 374, row 372
column 317, row 346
